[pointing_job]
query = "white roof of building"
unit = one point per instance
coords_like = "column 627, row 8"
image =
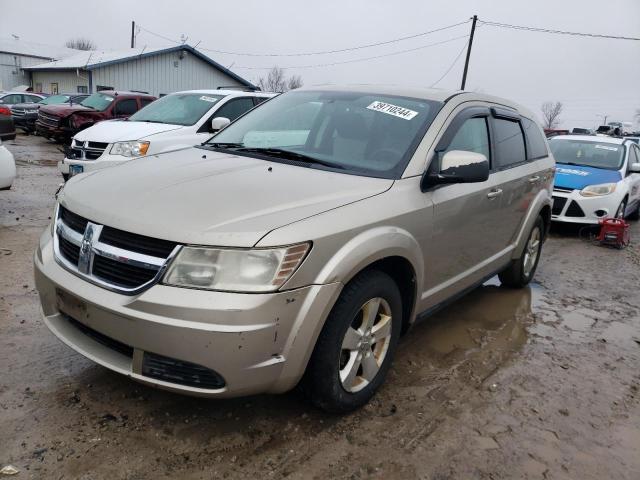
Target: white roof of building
column 33, row 49
column 91, row 58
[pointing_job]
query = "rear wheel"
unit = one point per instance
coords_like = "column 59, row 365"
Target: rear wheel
column 520, row 271
column 356, row 346
column 635, row 215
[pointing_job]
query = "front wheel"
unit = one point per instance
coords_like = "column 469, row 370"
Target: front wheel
column 356, row 346
column 621, row 209
column 521, row 270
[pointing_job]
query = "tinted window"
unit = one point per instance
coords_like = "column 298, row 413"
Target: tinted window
column 31, row 98
column 509, row 140
column 146, row 101
column 234, row 108
column 537, row 143
column 126, row 107
column 472, row 136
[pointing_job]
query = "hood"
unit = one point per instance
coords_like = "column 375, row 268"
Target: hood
column 27, row 106
column 64, row 110
column 576, row 177
column 121, row 131
column 202, row 197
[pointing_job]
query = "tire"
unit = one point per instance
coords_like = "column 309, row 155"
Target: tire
column 521, row 270
column 635, row 215
column 621, row 208
column 327, row 383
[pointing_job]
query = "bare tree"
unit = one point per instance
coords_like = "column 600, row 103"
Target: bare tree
column 294, row 82
column 80, row 43
column 551, row 114
column 276, row 81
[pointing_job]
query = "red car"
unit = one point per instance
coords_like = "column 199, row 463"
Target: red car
column 62, row 122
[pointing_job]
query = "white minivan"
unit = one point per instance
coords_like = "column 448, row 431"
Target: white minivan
column 178, row 120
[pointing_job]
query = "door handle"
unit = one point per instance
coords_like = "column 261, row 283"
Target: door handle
column 494, row 193
column 534, row 179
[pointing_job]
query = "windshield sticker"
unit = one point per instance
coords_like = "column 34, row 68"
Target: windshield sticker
column 394, row 110
column 605, row 147
column 571, row 171
column 208, row 99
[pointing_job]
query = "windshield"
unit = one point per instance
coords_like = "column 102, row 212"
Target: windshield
column 97, row 101
column 54, row 100
column 353, row 132
column 178, row 109
column 608, row 156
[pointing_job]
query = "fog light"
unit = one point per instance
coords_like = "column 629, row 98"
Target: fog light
column 600, row 213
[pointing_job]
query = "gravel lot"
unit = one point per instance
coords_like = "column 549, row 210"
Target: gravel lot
column 536, row 383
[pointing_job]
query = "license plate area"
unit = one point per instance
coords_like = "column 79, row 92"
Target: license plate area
column 71, row 305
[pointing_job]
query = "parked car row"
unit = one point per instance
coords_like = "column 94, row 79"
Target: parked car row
column 25, row 114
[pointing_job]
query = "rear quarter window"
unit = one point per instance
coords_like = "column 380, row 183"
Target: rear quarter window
column 537, row 143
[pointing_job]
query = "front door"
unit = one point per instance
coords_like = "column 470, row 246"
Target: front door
column 466, row 235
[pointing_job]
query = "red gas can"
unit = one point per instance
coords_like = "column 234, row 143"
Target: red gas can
column 614, row 232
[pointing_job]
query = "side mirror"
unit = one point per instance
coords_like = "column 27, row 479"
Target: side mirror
column 458, row 166
column 219, row 123
column 634, row 168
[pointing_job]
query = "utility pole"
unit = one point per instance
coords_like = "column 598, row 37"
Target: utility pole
column 133, row 33
column 466, row 62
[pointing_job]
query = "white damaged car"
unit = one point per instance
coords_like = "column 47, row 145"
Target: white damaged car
column 175, row 121
column 596, row 177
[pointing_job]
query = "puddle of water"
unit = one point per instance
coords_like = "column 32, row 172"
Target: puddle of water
column 490, row 321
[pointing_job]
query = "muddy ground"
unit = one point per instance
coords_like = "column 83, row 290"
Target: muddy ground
column 536, row 383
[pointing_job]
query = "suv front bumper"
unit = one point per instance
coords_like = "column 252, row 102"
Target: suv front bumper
column 255, row 342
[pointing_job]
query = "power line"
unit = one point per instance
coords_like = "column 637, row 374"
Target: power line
column 455, row 60
column 558, row 32
column 358, row 59
column 321, row 52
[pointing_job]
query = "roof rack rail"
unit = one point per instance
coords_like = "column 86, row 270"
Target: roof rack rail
column 139, row 91
column 241, row 88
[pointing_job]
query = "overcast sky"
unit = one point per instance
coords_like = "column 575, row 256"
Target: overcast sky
column 590, row 76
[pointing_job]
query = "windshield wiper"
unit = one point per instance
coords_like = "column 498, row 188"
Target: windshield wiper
column 288, row 155
column 573, row 163
column 223, row 145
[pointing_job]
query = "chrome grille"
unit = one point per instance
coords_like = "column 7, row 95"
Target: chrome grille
column 86, row 150
column 121, row 261
column 20, row 111
column 49, row 120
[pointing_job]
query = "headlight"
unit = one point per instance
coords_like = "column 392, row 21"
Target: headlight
column 598, row 190
column 130, row 149
column 235, row 270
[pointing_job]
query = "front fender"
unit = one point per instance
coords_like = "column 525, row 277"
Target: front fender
column 368, row 247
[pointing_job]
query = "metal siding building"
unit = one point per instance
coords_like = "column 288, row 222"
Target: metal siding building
column 16, row 54
column 157, row 72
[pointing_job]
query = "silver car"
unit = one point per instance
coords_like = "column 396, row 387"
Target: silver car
column 298, row 244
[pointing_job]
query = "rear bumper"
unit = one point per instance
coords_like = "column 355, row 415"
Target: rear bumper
column 255, row 342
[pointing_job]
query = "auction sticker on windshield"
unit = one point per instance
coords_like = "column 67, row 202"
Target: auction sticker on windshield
column 208, row 99
column 394, row 110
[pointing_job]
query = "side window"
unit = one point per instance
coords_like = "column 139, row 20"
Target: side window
column 472, row 136
column 126, row 107
column 537, row 145
column 634, row 155
column 258, row 100
column 145, row 101
column 234, row 108
column 509, row 143
column 11, row 99
column 31, row 98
